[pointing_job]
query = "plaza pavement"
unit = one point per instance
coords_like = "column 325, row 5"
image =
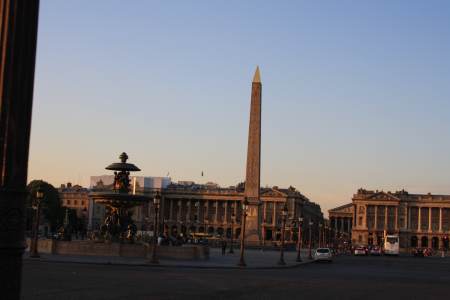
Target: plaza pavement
column 347, row 278
column 254, row 258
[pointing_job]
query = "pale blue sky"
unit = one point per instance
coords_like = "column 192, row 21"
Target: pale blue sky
column 355, row 93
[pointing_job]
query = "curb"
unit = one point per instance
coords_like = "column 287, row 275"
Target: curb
column 170, row 266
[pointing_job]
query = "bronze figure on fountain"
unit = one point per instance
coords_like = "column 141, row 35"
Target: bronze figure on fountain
column 118, row 224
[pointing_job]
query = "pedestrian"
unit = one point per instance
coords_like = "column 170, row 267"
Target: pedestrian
column 224, row 246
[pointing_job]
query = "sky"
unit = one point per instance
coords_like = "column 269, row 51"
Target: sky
column 355, row 93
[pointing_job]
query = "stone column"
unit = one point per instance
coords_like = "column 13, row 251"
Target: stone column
column 216, row 218
column 376, row 218
column 225, row 215
column 189, row 213
column 18, row 27
column 385, row 217
column 274, row 217
column 396, row 218
column 419, row 215
column 342, row 224
column 207, row 212
column 179, row 211
column 440, row 219
column 336, row 229
column 264, row 211
column 408, row 225
column 429, row 219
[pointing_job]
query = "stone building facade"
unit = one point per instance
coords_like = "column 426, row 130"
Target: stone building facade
column 341, row 224
column 74, row 197
column 420, row 220
column 194, row 208
column 77, row 197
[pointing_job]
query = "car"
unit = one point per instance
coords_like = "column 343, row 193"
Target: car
column 375, row 251
column 323, row 254
column 360, row 251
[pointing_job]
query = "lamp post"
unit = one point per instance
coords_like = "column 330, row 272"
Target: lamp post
column 233, row 216
column 244, row 217
column 320, row 235
column 156, row 203
column 36, row 206
column 299, row 239
column 284, row 214
column 310, row 241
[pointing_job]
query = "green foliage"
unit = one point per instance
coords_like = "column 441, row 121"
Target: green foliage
column 51, row 206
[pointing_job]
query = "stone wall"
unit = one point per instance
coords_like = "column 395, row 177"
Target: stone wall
column 95, row 248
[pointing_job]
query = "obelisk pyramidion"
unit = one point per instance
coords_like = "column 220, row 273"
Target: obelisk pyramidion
column 253, row 173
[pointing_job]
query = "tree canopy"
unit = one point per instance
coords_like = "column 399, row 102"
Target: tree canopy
column 51, row 206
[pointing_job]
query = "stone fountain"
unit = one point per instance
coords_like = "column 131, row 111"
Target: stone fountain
column 118, row 224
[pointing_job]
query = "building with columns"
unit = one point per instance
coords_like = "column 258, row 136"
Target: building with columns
column 208, row 208
column 341, row 224
column 420, row 220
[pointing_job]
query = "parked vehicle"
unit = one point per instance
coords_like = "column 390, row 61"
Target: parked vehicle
column 375, row 251
column 360, row 251
column 391, row 245
column 323, row 254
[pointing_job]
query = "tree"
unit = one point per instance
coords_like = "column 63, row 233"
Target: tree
column 51, row 206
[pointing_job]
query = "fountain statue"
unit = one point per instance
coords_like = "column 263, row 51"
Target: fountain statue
column 118, row 224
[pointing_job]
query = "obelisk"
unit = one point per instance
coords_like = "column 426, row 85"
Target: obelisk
column 253, row 173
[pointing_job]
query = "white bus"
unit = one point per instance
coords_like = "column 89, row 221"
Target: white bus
column 391, row 245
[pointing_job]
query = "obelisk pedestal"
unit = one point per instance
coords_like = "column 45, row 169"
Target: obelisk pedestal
column 253, row 172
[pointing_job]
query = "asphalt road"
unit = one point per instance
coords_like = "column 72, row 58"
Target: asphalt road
column 359, row 278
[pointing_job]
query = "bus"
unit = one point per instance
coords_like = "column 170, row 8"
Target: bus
column 391, row 245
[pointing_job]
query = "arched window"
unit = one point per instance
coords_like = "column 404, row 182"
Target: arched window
column 424, row 241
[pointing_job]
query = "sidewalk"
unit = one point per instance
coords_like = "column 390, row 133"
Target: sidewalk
column 255, row 259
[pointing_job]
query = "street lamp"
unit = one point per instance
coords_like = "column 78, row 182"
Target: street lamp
column 233, row 216
column 310, row 241
column 156, row 203
column 36, row 206
column 244, row 217
column 284, row 214
column 299, row 239
column 320, row 235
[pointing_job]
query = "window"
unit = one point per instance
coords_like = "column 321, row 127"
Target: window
column 68, row 202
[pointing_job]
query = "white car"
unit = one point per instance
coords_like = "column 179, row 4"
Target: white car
column 360, row 251
column 323, row 254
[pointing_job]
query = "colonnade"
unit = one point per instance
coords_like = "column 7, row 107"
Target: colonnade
column 416, row 224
